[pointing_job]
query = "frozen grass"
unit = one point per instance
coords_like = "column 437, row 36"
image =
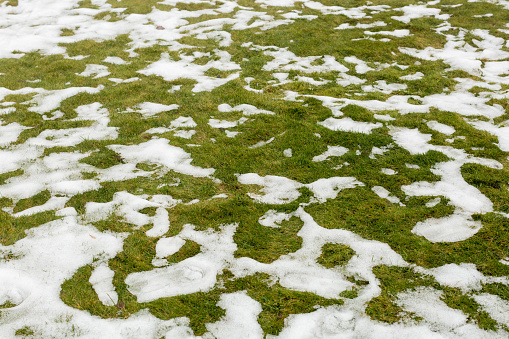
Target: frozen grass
column 254, row 169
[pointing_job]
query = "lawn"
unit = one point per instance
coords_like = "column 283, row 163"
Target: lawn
column 254, row 169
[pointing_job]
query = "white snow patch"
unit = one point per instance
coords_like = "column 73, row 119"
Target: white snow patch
column 349, row 125
column 158, row 151
column 445, row 129
column 91, row 69
column 332, row 151
column 102, row 283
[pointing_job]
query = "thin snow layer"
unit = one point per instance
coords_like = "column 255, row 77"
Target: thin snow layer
column 349, row 125
column 102, row 283
column 445, row 129
column 497, row 308
column 10, row 133
column 150, row 109
column 172, row 70
column 241, row 318
column 412, row 140
column 47, row 101
column 385, row 194
column 332, row 151
column 191, row 275
column 426, row 302
column 501, row 131
column 244, row 108
column 98, row 70
column 300, row 271
column 463, row 276
column 280, row 190
column 32, row 277
column 159, row 151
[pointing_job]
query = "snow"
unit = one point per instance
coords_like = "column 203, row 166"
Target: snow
column 191, row 275
column 444, row 129
column 159, row 151
column 33, row 134
column 332, row 151
column 101, row 280
column 150, row 109
column 349, row 125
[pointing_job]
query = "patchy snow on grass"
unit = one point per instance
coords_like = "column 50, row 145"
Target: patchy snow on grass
column 111, row 220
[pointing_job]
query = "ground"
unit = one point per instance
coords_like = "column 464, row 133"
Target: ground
column 254, row 169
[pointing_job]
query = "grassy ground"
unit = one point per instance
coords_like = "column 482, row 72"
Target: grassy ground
column 294, row 125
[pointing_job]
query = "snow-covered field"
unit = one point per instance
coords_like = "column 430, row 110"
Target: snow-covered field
column 254, row 169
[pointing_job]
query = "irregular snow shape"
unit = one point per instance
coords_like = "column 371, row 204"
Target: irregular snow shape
column 456, row 227
column 214, row 123
column 445, row 129
column 169, row 246
column 411, row 77
column 301, row 272
column 183, row 122
column 158, row 130
column 278, row 190
column 496, row 307
column 500, row 131
column 60, row 173
column 362, row 67
column 388, row 171
column 384, row 87
column 361, row 26
column 433, row 202
column 385, row 194
column 16, row 286
column 172, row 70
column 91, row 69
column 102, row 283
column 10, row 133
column 115, row 60
column 262, row 143
column 244, row 108
column 161, row 223
column 285, row 60
column 272, row 218
column 240, row 320
column 418, row 11
column 410, row 139
column 158, row 151
column 383, row 117
column 123, row 81
column 123, row 204
column 464, row 276
column 8, row 110
column 396, row 33
column 76, row 245
column 412, row 166
column 53, row 203
column 452, row 186
column 50, row 100
column 332, row 151
column 195, row 274
column 184, row 134
column 349, row 125
column 375, row 151
column 231, row 134
column 149, row 109
column 311, row 81
column 324, row 189
column 426, row 302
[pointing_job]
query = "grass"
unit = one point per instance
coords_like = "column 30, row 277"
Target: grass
column 293, row 125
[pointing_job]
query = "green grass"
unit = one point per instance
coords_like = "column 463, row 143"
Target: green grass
column 293, row 125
